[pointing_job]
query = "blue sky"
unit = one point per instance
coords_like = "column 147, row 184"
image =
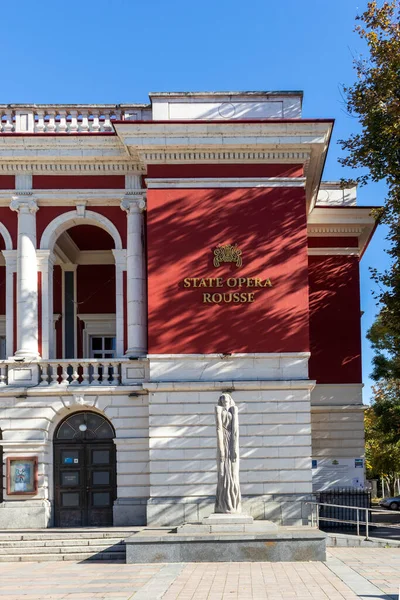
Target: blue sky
column 114, row 52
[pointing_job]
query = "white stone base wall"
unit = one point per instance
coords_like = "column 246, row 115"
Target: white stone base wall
column 28, row 422
column 274, row 441
column 282, row 509
column 337, row 418
column 166, row 438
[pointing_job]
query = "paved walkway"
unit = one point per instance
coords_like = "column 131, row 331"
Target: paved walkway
column 348, row 574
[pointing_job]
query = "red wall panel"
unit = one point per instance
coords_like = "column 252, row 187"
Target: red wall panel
column 2, row 290
column 269, row 226
column 39, row 312
column 335, row 333
column 117, row 216
column 77, row 182
column 212, row 170
column 333, row 242
column 96, row 289
column 7, row 182
column 57, row 289
column 9, row 218
column 45, row 215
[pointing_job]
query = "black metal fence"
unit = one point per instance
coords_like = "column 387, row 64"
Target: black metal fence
column 349, row 497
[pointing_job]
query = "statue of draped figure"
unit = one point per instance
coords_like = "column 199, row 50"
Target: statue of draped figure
column 228, row 499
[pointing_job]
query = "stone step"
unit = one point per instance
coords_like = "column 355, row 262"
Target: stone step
column 22, row 551
column 60, row 542
column 76, row 556
column 67, row 534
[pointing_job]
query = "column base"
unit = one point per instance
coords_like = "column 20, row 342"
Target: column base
column 26, row 355
column 135, row 352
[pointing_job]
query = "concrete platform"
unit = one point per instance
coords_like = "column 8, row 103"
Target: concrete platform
column 228, row 525
column 286, row 544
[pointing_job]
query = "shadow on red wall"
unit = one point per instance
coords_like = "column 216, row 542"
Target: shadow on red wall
column 335, row 329
column 269, row 226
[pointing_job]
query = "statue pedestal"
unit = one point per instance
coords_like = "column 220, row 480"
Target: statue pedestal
column 228, row 519
column 228, row 523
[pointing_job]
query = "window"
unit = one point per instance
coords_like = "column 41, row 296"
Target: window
column 3, row 353
column 102, row 346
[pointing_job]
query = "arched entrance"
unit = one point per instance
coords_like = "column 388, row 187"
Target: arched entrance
column 84, row 471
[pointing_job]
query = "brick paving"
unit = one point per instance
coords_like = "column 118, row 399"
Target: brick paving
column 349, row 574
column 379, row 566
column 257, row 581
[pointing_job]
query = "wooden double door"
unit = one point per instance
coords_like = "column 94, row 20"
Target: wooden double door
column 85, row 483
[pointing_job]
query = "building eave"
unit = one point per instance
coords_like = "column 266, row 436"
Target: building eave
column 252, row 141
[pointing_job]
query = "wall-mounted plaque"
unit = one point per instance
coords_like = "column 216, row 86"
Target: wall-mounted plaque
column 22, row 475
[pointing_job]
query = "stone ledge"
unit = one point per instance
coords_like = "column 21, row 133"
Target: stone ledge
column 288, row 544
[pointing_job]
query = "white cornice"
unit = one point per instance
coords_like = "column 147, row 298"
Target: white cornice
column 231, row 385
column 334, row 230
column 339, row 216
column 335, row 222
column 58, row 148
column 70, row 197
column 262, row 141
column 218, row 133
column 73, row 168
column 333, row 252
column 226, row 182
column 224, row 156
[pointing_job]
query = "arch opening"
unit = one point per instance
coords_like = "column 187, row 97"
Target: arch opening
column 84, row 426
column 84, row 471
column 69, row 219
column 86, row 291
column 5, row 245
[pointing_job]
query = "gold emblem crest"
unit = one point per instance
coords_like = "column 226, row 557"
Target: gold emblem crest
column 227, row 254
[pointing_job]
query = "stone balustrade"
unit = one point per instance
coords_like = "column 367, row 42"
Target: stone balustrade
column 57, row 118
column 69, row 372
column 74, row 372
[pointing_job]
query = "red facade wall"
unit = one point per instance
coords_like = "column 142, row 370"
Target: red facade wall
column 333, row 242
column 57, row 307
column 335, row 330
column 184, row 227
column 57, row 289
column 78, row 182
column 9, row 218
column 7, row 182
column 2, row 290
column 210, row 170
column 45, row 215
column 117, row 216
column 95, row 289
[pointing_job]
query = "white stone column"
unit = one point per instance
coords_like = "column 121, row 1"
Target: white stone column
column 27, row 284
column 45, row 263
column 120, row 267
column 11, row 268
column 134, row 205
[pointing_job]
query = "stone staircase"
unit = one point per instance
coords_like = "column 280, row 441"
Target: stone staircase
column 85, row 544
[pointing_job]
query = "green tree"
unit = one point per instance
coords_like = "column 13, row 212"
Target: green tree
column 375, row 100
column 382, row 435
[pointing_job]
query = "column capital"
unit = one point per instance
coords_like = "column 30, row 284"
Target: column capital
column 120, row 258
column 24, row 203
column 45, row 258
column 134, row 202
column 10, row 258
